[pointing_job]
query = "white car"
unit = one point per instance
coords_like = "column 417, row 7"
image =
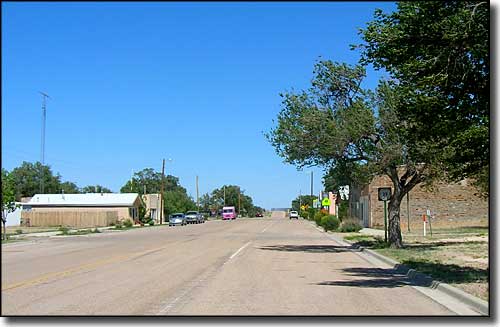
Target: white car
column 294, row 214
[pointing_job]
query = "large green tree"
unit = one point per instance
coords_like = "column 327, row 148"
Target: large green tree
column 95, row 189
column 235, row 196
column 438, row 54
column 175, row 196
column 303, row 200
column 69, row 187
column 8, row 198
column 27, row 179
column 354, row 134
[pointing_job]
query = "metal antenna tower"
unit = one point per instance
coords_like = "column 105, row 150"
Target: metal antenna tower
column 44, row 114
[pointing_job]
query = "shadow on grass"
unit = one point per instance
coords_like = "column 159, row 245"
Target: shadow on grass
column 449, row 273
column 425, row 246
column 309, row 248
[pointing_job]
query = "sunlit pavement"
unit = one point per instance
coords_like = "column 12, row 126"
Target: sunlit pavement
column 261, row 266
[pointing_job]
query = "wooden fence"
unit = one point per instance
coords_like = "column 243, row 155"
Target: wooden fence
column 77, row 219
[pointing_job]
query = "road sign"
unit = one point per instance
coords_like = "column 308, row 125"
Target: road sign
column 326, row 202
column 384, row 193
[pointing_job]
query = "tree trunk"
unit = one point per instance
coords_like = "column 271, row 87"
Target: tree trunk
column 4, row 220
column 394, row 229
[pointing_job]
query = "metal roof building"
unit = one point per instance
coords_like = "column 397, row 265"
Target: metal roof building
column 84, row 200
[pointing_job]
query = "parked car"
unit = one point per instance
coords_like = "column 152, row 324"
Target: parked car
column 193, row 217
column 201, row 217
column 177, row 219
column 259, row 214
column 294, row 214
column 228, row 213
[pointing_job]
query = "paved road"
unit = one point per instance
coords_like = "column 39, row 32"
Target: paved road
column 261, row 266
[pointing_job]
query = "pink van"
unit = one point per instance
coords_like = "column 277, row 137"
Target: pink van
column 228, row 213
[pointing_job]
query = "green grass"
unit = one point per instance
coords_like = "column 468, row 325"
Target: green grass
column 444, row 261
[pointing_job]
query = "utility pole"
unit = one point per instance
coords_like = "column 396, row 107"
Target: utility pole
column 312, row 204
column 197, row 194
column 161, row 191
column 239, row 200
column 44, row 114
column 300, row 200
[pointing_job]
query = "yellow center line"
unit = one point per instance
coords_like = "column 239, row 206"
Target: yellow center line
column 89, row 266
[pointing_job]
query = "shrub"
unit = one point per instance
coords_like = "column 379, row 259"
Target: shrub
column 118, row 225
column 19, row 231
column 64, row 230
column 128, row 223
column 96, row 230
column 111, row 224
column 330, row 222
column 151, row 223
column 350, row 225
column 310, row 213
column 318, row 216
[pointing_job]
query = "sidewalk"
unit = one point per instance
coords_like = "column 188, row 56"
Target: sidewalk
column 372, row 231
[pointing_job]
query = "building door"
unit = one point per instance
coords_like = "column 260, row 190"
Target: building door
column 364, row 210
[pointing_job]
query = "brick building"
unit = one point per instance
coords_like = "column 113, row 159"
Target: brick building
column 451, row 205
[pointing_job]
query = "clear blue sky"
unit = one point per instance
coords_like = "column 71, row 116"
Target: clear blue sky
column 132, row 83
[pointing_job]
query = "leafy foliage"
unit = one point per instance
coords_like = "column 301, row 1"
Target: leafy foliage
column 95, row 189
column 330, row 222
column 354, row 133
column 303, row 200
column 175, row 196
column 350, row 225
column 438, row 54
column 8, row 198
column 27, row 179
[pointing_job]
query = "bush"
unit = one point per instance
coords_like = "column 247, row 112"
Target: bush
column 64, row 230
column 96, row 230
column 330, row 222
column 318, row 216
column 310, row 213
column 151, row 223
column 19, row 231
column 350, row 225
column 118, row 225
column 128, row 223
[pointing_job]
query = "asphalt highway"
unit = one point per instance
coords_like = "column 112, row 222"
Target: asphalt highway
column 257, row 266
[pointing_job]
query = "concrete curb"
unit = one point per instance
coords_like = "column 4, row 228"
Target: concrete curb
column 424, row 280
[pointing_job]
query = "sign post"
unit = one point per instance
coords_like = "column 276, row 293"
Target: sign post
column 429, row 217
column 384, row 194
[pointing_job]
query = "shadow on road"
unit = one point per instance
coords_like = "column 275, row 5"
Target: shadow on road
column 375, row 277
column 309, row 248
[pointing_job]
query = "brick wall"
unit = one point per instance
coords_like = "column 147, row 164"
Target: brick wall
column 451, row 204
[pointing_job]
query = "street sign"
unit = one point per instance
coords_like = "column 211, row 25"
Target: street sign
column 326, row 202
column 384, row 193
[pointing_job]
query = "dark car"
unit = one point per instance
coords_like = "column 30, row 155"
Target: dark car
column 259, row 214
